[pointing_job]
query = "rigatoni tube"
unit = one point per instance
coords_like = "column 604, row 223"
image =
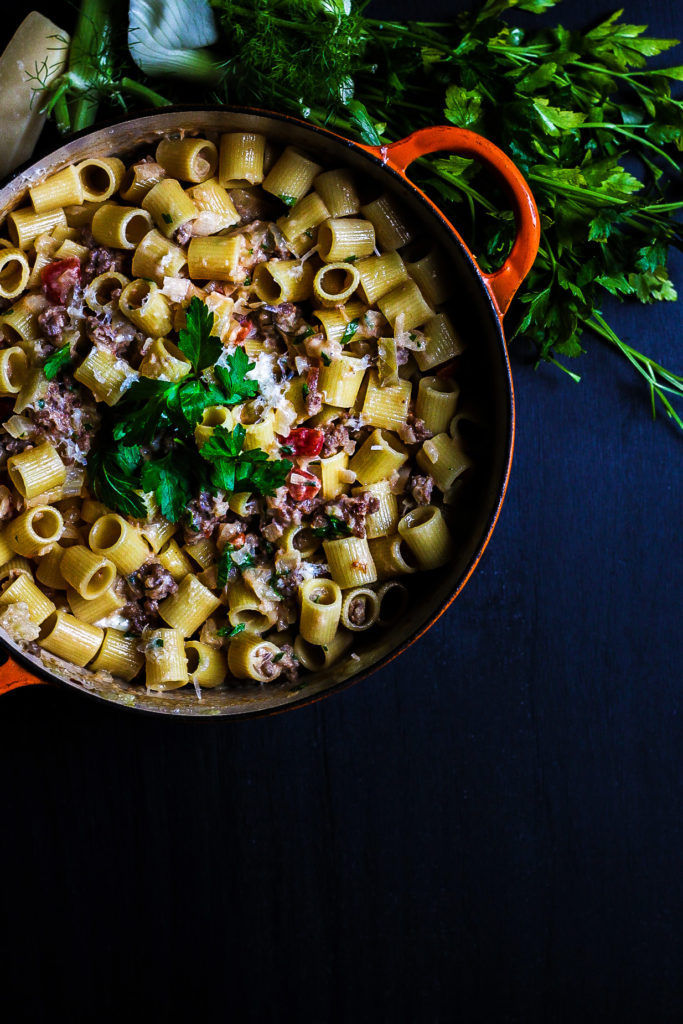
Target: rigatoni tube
column 425, row 532
column 36, row 470
column 119, row 655
column 119, row 541
column 189, row 607
column 22, row 588
column 350, row 561
column 321, row 602
column 206, row 666
column 35, row 530
column 69, row 638
column 165, row 661
column 192, row 160
column 378, row 457
column 87, row 572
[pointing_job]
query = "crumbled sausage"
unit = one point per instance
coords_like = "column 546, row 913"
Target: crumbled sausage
column 7, row 503
column 357, row 611
column 52, row 322
column 151, row 581
column 67, row 416
column 100, row 260
column 413, row 431
column 288, row 318
column 336, row 438
column 421, row 488
column 183, row 234
column 314, row 401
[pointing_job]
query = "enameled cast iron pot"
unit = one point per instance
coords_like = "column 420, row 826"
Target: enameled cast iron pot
column 480, row 301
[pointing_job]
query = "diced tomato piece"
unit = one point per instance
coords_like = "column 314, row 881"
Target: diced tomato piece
column 302, row 485
column 60, row 278
column 305, row 441
column 245, row 326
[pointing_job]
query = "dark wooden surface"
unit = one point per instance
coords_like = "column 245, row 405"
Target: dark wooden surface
column 489, row 830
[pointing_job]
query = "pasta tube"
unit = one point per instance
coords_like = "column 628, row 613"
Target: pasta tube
column 385, row 519
column 96, row 608
column 316, row 658
column 87, row 572
column 119, row 655
column 14, row 272
column 191, row 160
column 386, row 405
column 250, row 657
column 291, row 176
column 215, row 258
column 392, row 557
column 428, row 537
column 350, row 561
column 340, row 381
column 169, row 206
column 104, row 374
column 69, row 638
column 442, row 342
column 156, row 257
column 378, row 457
column 13, row 370
column 25, row 225
column 241, row 159
column 139, row 179
column 100, row 177
column 338, row 192
column 344, row 239
column 436, row 402
column 360, row 609
column 334, row 283
column 444, row 459
column 22, row 588
column 99, row 294
column 115, row 539
column 120, row 227
column 146, row 306
column 391, row 229
column 393, row 602
column 206, row 666
column 165, row 661
column 189, row 607
column 36, row 470
column 283, row 281
column 321, row 602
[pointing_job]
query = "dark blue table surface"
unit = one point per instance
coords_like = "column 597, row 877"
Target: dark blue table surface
column 488, row 830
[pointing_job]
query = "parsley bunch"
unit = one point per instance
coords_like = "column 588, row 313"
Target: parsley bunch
column 154, row 413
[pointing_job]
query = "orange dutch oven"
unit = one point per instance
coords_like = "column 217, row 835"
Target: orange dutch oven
column 479, row 305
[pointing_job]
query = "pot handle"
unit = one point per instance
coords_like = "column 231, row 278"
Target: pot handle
column 502, row 283
column 12, row 676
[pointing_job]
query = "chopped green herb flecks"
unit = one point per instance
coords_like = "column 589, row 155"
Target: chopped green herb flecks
column 230, row 633
column 349, row 331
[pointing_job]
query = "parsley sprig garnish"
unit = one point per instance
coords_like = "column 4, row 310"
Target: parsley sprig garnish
column 156, row 414
column 55, row 363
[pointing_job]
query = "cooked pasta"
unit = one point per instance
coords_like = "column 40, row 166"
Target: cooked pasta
column 223, row 456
